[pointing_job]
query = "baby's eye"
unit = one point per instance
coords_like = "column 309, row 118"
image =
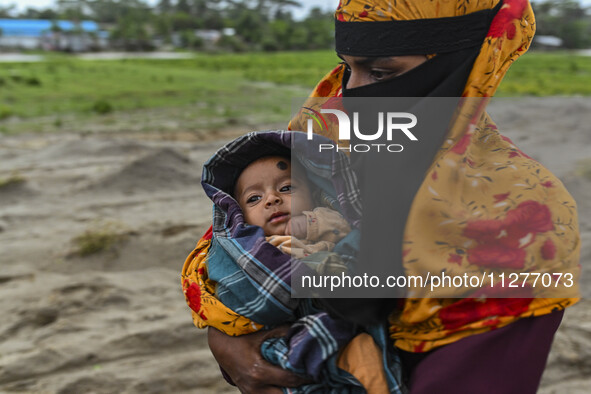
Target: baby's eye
column 286, row 189
column 252, row 199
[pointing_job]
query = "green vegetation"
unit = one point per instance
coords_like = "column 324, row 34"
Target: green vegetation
column 214, row 90
column 101, row 237
column 12, row 180
column 548, row 74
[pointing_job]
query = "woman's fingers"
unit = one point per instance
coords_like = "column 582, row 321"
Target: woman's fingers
column 241, row 358
column 263, row 377
column 276, row 376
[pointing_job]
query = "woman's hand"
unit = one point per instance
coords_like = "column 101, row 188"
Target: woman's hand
column 241, row 358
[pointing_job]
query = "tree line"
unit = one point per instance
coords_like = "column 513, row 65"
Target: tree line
column 565, row 19
column 254, row 24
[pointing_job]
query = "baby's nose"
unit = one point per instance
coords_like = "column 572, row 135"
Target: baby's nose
column 273, row 199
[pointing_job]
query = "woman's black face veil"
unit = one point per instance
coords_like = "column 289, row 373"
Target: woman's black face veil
column 390, row 181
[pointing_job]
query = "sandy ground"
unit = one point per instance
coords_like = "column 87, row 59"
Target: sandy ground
column 116, row 321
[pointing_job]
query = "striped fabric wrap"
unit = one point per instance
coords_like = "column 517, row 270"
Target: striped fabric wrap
column 312, row 344
column 253, row 278
column 247, row 268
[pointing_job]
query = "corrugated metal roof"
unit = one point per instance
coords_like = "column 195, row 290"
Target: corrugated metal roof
column 36, row 27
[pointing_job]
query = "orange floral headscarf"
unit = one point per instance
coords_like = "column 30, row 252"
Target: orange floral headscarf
column 483, row 202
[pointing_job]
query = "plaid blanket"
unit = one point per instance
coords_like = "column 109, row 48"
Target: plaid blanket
column 253, row 278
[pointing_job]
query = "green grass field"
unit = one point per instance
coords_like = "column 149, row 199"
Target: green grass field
column 213, row 90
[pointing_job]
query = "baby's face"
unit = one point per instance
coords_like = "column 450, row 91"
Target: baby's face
column 269, row 196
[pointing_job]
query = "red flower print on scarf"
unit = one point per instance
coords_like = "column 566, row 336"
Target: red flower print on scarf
column 548, row 250
column 193, row 295
column 530, row 215
column 333, row 103
column 462, row 144
column 208, row 234
column 473, row 309
column 337, row 69
column 503, row 22
column 324, row 89
column 455, row 258
column 502, row 242
column 547, row 184
column 517, row 152
column 497, row 255
column 501, row 197
column 483, row 231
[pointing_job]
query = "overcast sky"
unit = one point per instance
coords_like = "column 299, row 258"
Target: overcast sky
column 307, row 4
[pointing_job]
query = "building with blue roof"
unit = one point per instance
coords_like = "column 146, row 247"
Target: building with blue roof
column 51, row 35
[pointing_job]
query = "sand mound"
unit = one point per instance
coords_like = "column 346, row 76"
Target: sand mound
column 85, row 148
column 15, row 190
column 161, row 170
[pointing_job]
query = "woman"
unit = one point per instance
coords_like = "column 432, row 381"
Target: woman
column 442, row 48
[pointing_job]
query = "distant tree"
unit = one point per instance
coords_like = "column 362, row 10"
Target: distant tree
column 47, row 13
column 29, row 13
column 566, row 19
column 165, row 6
column 250, row 25
column 72, row 9
column 106, row 11
column 33, row 13
column 183, row 6
column 269, row 8
column 163, row 26
column 6, row 11
column 133, row 22
column 319, row 28
column 181, row 21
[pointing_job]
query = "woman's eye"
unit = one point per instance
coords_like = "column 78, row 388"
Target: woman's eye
column 252, row 199
column 380, row 75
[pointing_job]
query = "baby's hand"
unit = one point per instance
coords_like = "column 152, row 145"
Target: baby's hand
column 297, row 227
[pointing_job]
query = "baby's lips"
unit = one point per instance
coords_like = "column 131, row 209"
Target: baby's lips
column 279, row 217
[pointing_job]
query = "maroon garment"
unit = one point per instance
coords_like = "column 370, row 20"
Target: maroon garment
column 502, row 361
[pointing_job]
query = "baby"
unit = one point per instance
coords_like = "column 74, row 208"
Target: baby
column 275, row 195
column 238, row 279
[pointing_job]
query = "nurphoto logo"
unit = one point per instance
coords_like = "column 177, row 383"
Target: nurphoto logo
column 389, row 122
